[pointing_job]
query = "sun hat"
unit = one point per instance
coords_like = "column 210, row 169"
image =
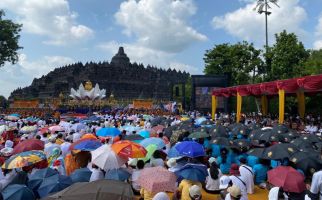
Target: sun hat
column 234, row 191
column 195, row 191
column 224, row 182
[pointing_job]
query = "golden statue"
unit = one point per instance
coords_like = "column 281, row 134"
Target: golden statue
column 88, row 85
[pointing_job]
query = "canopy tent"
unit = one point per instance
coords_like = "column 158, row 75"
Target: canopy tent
column 298, row 86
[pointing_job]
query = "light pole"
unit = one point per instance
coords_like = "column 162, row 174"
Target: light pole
column 263, row 6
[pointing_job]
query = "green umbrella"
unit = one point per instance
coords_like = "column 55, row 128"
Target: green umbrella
column 198, row 135
column 150, row 149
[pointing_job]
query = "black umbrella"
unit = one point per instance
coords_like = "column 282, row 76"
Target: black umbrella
column 280, row 151
column 254, row 126
column 280, row 129
column 243, row 130
column 288, row 137
column 235, row 125
column 302, row 144
column 201, row 130
column 222, row 141
column 308, row 162
column 258, row 152
column 207, row 123
column 133, row 137
column 97, row 190
column 169, row 130
column 266, row 135
column 218, row 131
column 241, row 143
column 311, row 138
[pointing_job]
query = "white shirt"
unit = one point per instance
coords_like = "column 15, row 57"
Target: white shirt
column 97, row 174
column 248, row 176
column 316, row 185
column 238, row 182
column 213, row 184
column 134, row 179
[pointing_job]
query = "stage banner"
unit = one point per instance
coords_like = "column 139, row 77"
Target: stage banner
column 145, row 104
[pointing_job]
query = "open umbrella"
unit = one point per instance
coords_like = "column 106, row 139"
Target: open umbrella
column 111, row 132
column 105, row 158
column 134, row 137
column 311, row 138
column 78, row 126
column 190, row 149
column 156, row 141
column 28, row 145
column 280, row 151
column 222, row 141
column 150, row 150
column 308, row 162
column 258, row 152
column 218, row 131
column 36, row 179
column 28, row 129
column 241, row 143
column 144, row 133
column 117, row 174
column 17, row 192
column 97, row 190
column 85, row 145
column 280, row 129
column 55, row 128
column 193, row 172
column 157, row 179
column 173, row 152
column 302, row 144
column 24, row 159
column 198, row 135
column 89, row 136
column 81, row 175
column 128, row 149
column 53, row 184
column 288, row 178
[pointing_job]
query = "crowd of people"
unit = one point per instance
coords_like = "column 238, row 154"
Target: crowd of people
column 219, row 157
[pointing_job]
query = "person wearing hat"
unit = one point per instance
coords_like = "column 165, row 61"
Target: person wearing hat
column 183, row 189
column 161, row 196
column 238, row 180
column 234, row 193
column 195, row 192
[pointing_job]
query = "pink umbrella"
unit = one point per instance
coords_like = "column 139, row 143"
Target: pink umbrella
column 157, row 129
column 157, row 179
column 53, row 129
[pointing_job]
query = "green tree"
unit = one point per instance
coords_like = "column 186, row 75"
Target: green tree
column 241, row 61
column 286, row 58
column 3, row 102
column 313, row 65
column 9, row 36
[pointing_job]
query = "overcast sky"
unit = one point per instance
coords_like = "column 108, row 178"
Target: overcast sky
column 164, row 33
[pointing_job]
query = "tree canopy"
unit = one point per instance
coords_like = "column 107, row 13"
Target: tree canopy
column 237, row 60
column 9, row 37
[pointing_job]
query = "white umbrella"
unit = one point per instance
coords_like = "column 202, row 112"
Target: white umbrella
column 28, row 129
column 3, row 128
column 105, row 158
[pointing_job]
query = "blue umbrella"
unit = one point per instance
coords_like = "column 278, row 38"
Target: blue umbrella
column 38, row 177
column 81, row 175
column 17, row 192
column 156, row 141
column 200, row 120
column 144, row 133
column 52, row 184
column 112, row 132
column 190, row 149
column 15, row 115
column 88, row 145
column 117, row 174
column 173, row 152
column 193, row 172
column 78, row 126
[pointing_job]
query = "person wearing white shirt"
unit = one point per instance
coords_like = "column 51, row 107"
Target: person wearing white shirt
column 49, row 147
column 212, row 180
column 97, row 174
column 248, row 175
column 238, row 181
column 316, row 186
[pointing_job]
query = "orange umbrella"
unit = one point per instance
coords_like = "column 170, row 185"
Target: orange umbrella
column 128, row 149
column 89, row 136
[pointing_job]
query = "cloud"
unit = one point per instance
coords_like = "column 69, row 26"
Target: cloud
column 50, row 18
column 22, row 74
column 318, row 43
column 159, row 24
column 147, row 56
column 245, row 23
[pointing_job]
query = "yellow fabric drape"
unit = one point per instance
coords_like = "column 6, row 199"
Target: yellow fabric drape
column 213, row 106
column 301, row 103
column 264, row 104
column 239, row 105
column 281, row 95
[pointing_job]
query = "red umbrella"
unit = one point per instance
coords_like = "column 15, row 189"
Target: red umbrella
column 28, row 145
column 287, row 178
